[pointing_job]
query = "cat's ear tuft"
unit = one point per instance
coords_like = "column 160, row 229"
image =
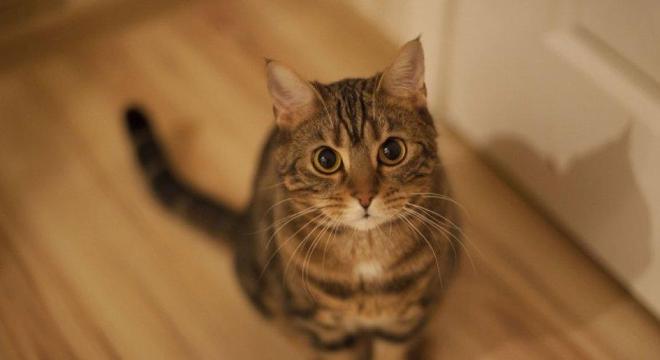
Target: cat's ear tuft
column 293, row 97
column 404, row 78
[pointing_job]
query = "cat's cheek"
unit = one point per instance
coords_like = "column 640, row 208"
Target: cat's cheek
column 353, row 211
column 377, row 208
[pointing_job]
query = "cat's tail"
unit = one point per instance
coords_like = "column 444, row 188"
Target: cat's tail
column 197, row 208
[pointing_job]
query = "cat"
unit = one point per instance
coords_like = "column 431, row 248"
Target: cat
column 355, row 238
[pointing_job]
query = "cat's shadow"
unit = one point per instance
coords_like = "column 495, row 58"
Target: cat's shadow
column 598, row 189
column 487, row 314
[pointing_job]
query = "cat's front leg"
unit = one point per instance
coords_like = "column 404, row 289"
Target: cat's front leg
column 359, row 350
column 346, row 354
column 413, row 349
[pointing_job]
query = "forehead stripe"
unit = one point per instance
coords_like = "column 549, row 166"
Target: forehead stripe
column 340, row 117
column 349, row 102
column 363, row 115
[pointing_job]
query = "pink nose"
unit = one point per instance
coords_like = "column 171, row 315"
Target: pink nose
column 364, row 199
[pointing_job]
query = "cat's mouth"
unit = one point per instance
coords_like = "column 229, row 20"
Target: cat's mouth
column 366, row 221
column 357, row 217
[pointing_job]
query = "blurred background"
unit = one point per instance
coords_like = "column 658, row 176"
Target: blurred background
column 550, row 127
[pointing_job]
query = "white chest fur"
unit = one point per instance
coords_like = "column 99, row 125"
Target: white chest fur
column 368, row 270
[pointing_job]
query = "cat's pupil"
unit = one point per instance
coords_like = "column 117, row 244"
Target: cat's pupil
column 392, row 149
column 327, row 158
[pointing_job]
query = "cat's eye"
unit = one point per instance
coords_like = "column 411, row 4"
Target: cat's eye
column 326, row 160
column 392, row 151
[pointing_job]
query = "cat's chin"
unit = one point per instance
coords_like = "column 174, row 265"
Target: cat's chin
column 366, row 223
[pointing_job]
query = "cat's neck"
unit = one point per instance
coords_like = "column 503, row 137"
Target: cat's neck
column 370, row 248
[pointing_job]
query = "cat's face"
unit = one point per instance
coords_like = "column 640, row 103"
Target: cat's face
column 358, row 150
column 359, row 170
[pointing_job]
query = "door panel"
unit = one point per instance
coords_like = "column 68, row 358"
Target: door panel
column 563, row 95
column 631, row 28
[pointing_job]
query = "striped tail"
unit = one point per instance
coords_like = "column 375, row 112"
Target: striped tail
column 197, row 208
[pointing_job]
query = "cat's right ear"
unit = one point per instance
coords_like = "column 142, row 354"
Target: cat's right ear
column 404, row 78
column 293, row 98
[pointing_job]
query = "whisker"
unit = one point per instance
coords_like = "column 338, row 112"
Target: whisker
column 278, row 222
column 391, row 224
column 444, row 218
column 308, row 257
column 302, row 242
column 450, row 236
column 445, row 197
column 384, row 235
column 463, row 240
column 334, row 225
column 286, row 221
column 435, row 256
column 276, row 204
column 272, row 256
column 272, row 186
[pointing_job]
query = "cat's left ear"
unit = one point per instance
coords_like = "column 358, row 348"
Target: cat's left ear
column 293, row 98
column 404, row 78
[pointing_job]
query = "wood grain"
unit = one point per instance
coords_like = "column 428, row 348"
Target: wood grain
column 92, row 268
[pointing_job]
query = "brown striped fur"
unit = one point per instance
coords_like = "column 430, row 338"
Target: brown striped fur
column 304, row 257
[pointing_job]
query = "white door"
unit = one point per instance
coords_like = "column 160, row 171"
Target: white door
column 565, row 97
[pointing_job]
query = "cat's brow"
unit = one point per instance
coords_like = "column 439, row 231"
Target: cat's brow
column 351, row 97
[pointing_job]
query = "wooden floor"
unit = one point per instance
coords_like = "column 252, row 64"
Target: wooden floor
column 92, row 268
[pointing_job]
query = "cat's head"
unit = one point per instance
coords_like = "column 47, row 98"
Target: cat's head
column 358, row 150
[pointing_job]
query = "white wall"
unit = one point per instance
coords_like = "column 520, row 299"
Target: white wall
column 403, row 21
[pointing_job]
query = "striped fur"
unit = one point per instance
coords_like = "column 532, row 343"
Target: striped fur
column 300, row 258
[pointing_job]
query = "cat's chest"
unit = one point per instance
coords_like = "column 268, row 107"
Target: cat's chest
column 368, row 270
column 366, row 256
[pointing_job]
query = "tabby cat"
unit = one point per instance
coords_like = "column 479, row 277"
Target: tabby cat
column 350, row 236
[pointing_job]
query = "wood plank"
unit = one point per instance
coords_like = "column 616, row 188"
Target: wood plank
column 92, row 267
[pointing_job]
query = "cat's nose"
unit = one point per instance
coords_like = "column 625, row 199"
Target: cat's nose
column 364, row 199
